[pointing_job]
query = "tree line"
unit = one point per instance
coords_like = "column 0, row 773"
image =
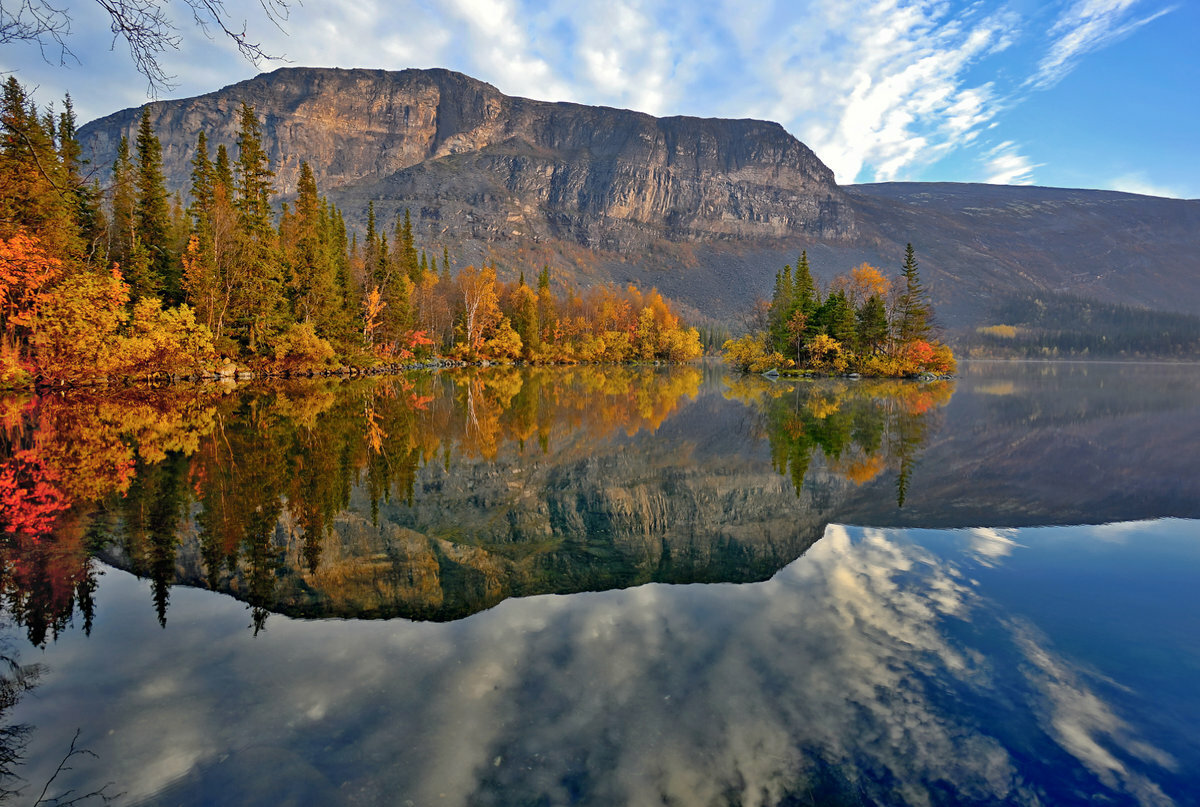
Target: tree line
column 1054, row 325
column 863, row 323
column 127, row 279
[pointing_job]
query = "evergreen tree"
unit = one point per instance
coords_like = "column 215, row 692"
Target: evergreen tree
column 85, row 198
column 223, row 170
column 804, row 289
column 872, row 325
column 406, row 250
column 913, row 310
column 259, row 308
column 152, row 219
column 781, row 309
column 203, row 182
column 32, row 178
column 371, row 251
column 836, row 318
column 124, row 246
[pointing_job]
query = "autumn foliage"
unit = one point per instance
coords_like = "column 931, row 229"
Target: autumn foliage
column 130, row 282
column 865, row 324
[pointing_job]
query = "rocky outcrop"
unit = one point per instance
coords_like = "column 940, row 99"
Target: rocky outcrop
column 469, row 159
column 706, row 210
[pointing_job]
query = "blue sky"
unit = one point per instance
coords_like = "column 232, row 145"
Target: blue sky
column 1077, row 93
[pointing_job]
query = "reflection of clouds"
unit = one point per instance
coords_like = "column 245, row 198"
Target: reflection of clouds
column 1082, row 723
column 844, row 669
column 991, row 545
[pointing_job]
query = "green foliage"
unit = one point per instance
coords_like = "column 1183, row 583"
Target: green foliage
column 848, row 330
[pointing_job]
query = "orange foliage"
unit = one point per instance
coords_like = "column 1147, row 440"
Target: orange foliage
column 31, row 499
column 25, row 269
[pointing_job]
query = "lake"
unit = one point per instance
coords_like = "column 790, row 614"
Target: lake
column 601, row 585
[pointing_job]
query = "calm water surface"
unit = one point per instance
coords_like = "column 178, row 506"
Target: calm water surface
column 609, row 586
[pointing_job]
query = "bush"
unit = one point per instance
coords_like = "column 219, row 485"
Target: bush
column 300, row 348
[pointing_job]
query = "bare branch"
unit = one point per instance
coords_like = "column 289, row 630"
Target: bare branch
column 144, row 25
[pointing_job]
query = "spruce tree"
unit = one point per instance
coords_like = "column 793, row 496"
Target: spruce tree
column 85, row 198
column 872, row 325
column 804, row 289
column 259, row 312
column 152, row 219
column 913, row 310
column 781, row 310
column 123, row 243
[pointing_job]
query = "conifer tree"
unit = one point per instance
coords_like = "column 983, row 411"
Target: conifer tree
column 124, row 247
column 32, row 181
column 912, row 307
column 781, row 309
column 152, row 219
column 85, row 198
column 872, row 325
column 804, row 289
column 260, row 304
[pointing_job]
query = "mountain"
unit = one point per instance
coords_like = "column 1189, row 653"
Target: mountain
column 707, row 210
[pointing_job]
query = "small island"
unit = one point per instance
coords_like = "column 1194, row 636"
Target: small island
column 864, row 324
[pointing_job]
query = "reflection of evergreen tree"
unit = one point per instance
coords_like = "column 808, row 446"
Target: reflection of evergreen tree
column 911, row 433
column 859, row 430
column 152, row 511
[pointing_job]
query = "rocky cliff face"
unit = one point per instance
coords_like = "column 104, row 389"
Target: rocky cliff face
column 706, row 210
column 471, row 160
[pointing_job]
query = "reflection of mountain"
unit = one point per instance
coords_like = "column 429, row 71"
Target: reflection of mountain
column 1056, row 443
column 439, row 495
column 885, row 667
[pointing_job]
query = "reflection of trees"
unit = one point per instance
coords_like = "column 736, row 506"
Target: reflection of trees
column 259, row 477
column 60, row 459
column 860, row 428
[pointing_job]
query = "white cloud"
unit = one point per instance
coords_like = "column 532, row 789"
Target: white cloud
column 1006, row 165
column 1086, row 26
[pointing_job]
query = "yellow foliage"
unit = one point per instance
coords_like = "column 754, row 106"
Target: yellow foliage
column 78, row 325
column 505, row 343
column 1001, row 331
column 827, row 354
column 169, row 341
column 299, row 347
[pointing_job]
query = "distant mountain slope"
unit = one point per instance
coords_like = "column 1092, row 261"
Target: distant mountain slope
column 988, row 240
column 707, row 210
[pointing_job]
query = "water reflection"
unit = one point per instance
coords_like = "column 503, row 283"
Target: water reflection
column 432, row 496
column 436, row 496
column 859, row 427
column 883, row 667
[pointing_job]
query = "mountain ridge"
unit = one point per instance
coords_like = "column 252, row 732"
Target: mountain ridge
column 706, row 209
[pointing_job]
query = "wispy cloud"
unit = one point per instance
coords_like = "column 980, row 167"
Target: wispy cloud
column 879, row 88
column 1138, row 183
column 1087, row 26
column 1006, row 165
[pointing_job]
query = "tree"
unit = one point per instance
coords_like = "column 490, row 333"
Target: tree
column 311, row 274
column 913, row 309
column 145, row 25
column 260, row 303
column 122, row 228
column 480, row 305
column 152, row 218
column 34, row 188
column 872, row 325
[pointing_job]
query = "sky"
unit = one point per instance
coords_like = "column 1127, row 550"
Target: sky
column 1065, row 93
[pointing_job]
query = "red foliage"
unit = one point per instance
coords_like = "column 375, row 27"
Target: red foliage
column 30, row 499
